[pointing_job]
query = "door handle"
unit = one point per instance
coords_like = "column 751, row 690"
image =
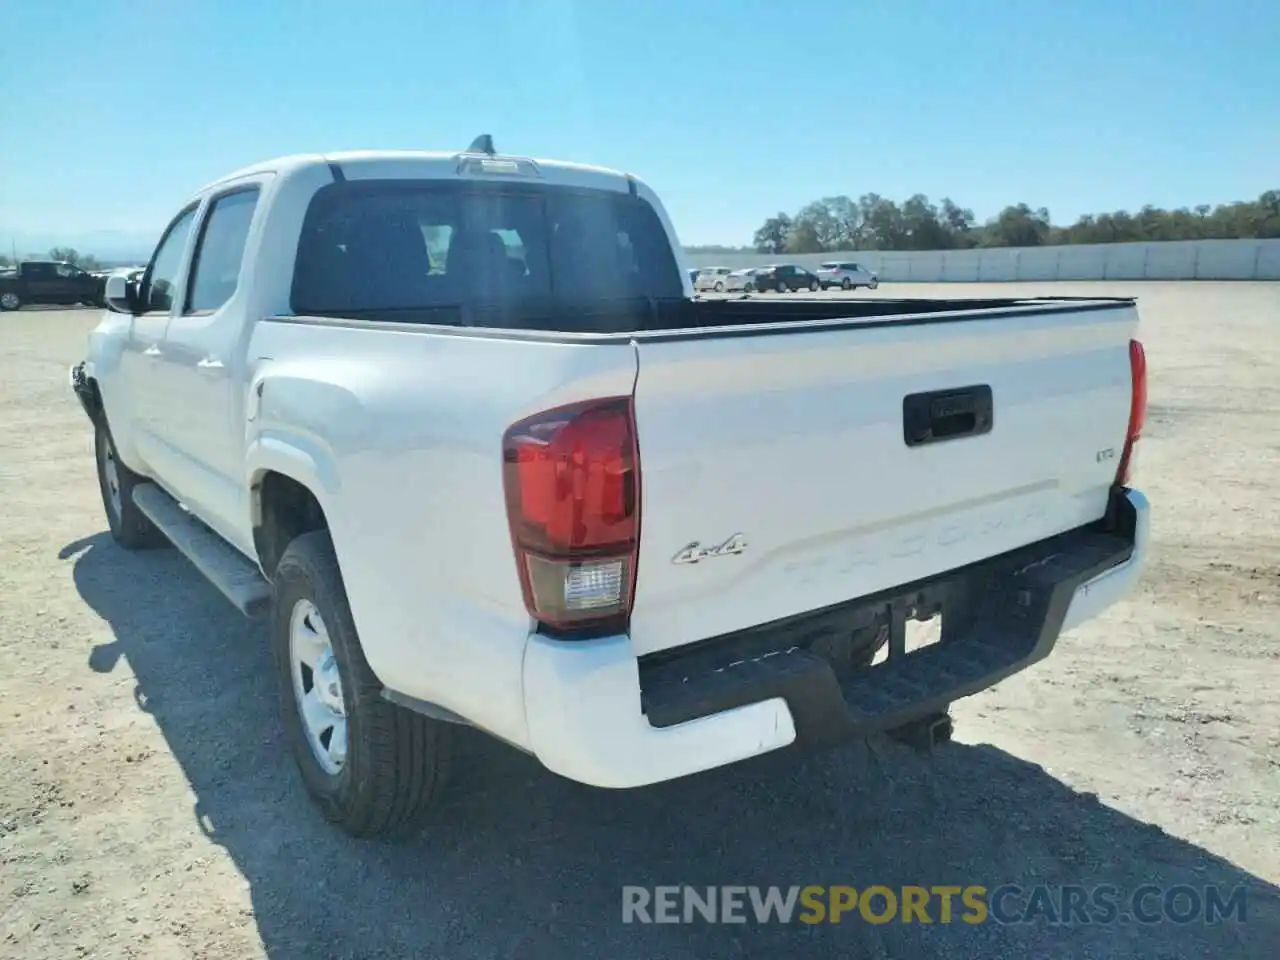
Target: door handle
column 947, row 415
column 152, row 351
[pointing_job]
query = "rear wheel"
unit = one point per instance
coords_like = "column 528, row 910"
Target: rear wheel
column 130, row 527
column 10, row 300
column 782, row 287
column 813, row 286
column 372, row 768
column 873, row 284
column 719, row 286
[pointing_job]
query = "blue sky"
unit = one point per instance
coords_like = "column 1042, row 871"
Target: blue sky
column 113, row 111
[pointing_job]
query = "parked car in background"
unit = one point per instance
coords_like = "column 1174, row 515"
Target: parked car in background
column 740, row 281
column 49, row 281
column 712, row 278
column 783, row 278
column 846, row 275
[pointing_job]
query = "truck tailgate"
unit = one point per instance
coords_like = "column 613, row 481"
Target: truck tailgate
column 777, row 477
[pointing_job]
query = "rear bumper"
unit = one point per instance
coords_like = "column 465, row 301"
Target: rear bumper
column 598, row 715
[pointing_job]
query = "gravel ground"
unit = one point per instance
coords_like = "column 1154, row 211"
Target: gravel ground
column 148, row 809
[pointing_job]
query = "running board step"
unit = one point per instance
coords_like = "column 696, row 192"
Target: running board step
column 222, row 565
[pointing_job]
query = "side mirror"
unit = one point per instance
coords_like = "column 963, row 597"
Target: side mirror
column 121, row 294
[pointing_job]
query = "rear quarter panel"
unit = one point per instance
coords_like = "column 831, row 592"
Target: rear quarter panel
column 398, row 433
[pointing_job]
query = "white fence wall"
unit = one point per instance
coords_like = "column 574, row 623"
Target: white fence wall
column 1172, row 260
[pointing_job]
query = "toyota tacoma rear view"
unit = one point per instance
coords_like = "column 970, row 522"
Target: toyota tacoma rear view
column 457, row 426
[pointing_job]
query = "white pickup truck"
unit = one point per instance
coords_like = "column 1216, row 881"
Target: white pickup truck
column 457, row 424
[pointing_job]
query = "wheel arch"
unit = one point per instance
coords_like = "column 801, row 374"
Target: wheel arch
column 284, row 508
column 288, row 496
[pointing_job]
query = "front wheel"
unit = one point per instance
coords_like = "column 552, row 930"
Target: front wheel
column 10, row 300
column 372, row 767
column 130, row 527
column 846, row 284
column 782, row 287
column 873, row 284
column 813, row 286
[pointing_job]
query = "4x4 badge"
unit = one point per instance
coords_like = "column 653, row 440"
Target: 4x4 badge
column 695, row 551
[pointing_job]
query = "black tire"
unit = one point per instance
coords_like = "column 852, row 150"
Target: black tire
column 130, row 527
column 397, row 760
column 874, row 284
column 846, row 284
column 813, row 286
column 719, row 286
column 782, row 287
column 9, row 300
column 748, row 288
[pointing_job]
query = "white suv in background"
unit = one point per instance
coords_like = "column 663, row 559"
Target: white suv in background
column 740, row 281
column 846, row 275
column 712, row 278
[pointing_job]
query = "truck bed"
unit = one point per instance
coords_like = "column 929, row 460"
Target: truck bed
column 697, row 314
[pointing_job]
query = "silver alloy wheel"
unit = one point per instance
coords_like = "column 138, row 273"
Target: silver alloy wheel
column 317, row 687
column 10, row 301
column 111, row 474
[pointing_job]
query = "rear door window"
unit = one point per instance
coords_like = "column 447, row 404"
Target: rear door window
column 450, row 252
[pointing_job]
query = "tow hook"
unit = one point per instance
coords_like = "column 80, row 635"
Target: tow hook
column 929, row 731
column 83, row 392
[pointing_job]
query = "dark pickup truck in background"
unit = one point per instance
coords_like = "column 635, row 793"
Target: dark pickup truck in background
column 49, row 281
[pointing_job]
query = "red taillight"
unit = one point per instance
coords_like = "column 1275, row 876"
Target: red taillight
column 572, row 480
column 1137, row 411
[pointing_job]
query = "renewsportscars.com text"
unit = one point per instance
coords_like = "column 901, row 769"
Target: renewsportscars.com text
column 973, row 904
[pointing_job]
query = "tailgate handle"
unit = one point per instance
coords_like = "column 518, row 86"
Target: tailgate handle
column 947, row 415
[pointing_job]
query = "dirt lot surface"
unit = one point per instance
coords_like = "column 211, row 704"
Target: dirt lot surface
column 148, row 808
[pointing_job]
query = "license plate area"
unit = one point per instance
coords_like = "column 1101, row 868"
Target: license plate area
column 889, row 630
column 916, row 632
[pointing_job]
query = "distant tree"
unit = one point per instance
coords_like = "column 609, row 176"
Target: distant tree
column 715, row 248
column 73, row 256
column 1017, row 226
column 958, row 221
column 818, row 226
column 883, row 222
column 773, row 234
column 876, row 223
column 804, row 238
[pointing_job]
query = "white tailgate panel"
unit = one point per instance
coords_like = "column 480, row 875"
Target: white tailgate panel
column 796, row 442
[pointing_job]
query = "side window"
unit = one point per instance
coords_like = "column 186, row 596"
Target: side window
column 158, row 281
column 67, row 270
column 215, row 268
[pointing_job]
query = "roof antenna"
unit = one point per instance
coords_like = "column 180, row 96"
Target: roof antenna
column 482, row 144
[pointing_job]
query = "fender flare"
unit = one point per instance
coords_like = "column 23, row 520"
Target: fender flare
column 305, row 461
